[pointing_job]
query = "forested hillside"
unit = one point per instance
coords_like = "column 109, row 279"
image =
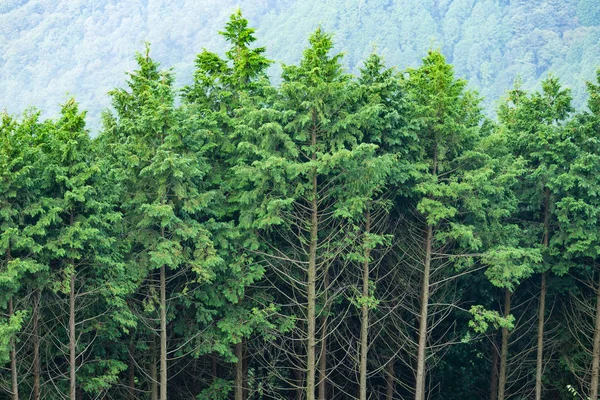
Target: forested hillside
column 50, row 48
column 319, row 235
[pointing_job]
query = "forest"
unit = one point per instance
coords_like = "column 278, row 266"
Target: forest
column 51, row 50
column 319, row 236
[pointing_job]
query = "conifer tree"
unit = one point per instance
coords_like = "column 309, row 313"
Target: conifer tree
column 20, row 231
column 533, row 124
column 167, row 196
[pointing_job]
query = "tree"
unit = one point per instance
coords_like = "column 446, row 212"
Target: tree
column 536, row 135
column 167, row 195
column 20, row 206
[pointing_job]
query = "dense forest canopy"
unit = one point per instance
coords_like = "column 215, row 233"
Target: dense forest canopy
column 265, row 230
column 58, row 48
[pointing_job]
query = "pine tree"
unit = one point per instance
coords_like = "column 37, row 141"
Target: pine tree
column 20, row 230
column 167, row 195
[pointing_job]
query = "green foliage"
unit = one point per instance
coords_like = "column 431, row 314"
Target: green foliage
column 588, row 12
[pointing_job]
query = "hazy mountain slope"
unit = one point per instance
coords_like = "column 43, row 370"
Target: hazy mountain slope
column 84, row 47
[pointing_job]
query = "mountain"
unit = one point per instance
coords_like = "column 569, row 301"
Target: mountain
column 52, row 48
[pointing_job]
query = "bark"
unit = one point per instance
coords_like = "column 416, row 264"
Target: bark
column 364, row 323
column 153, row 373
column 213, row 363
column 245, row 366
column 36, row 346
column 72, row 339
column 540, row 341
column 596, row 350
column 239, row 371
column 13, row 357
column 323, row 355
column 390, row 380
column 163, row 334
column 420, row 381
column 494, row 378
column 131, row 368
column 311, row 290
column 504, row 350
column 542, row 309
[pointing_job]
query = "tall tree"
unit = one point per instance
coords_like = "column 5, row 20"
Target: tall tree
column 167, row 193
column 534, row 124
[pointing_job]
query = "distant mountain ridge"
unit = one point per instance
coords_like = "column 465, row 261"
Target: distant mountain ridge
column 49, row 48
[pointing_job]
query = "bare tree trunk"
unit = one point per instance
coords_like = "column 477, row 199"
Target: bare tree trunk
column 239, row 371
column 72, row 338
column 540, row 340
column 245, row 366
column 420, row 381
column 153, row 372
column 36, row 346
column 13, row 357
column 131, row 368
column 390, row 380
column 312, row 277
column 596, row 350
column 504, row 350
column 542, row 310
column 163, row 333
column 364, row 323
column 323, row 355
column 494, row 378
column 213, row 366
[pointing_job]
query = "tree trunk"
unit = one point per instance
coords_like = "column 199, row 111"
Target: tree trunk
column 213, row 364
column 542, row 310
column 420, row 381
column 596, row 350
column 245, row 366
column 36, row 346
column 312, row 276
column 153, row 372
column 494, row 378
column 131, row 368
column 323, row 355
column 504, row 350
column 239, row 371
column 540, row 340
column 364, row 322
column 163, row 334
column 13, row 357
column 72, row 338
column 390, row 380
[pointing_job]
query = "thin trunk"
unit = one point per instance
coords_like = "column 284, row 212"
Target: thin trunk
column 364, row 323
column 323, row 355
column 213, row 363
column 13, row 357
column 542, row 310
column 163, row 334
column 494, row 379
column 72, row 338
column 131, row 368
column 420, row 382
column 390, row 380
column 153, row 372
column 312, row 277
column 596, row 350
column 540, row 341
column 239, row 371
column 504, row 350
column 36, row 346
column 245, row 366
